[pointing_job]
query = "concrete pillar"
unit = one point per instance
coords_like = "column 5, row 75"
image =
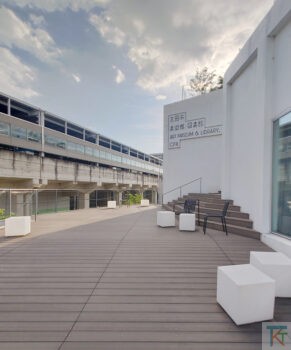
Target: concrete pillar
column 27, row 204
column 116, row 196
column 154, row 197
column 9, row 106
column 19, row 198
column 84, row 200
column 119, row 198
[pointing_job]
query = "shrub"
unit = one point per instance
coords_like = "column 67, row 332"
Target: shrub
column 134, row 198
column 3, row 215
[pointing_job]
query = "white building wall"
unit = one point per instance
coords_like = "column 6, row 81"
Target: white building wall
column 196, row 157
column 257, row 92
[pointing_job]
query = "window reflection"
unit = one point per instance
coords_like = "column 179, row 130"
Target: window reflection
column 281, row 213
column 4, row 129
column 20, row 133
column 33, row 136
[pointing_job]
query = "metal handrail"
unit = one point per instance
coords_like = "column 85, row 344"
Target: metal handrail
column 186, row 184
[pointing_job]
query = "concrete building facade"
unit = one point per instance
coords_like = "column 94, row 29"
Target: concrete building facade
column 256, row 138
column 193, row 145
column 39, row 150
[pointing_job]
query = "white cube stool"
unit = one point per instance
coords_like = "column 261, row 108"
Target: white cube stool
column 17, row 226
column 144, row 203
column 187, row 222
column 245, row 293
column 277, row 266
column 111, row 204
column 165, row 218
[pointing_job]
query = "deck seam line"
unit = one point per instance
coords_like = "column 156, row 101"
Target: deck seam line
column 105, row 268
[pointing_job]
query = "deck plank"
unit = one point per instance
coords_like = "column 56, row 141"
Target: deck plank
column 122, row 283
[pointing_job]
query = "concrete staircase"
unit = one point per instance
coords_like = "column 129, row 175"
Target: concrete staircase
column 211, row 203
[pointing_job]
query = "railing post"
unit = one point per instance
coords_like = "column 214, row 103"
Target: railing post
column 36, row 205
column 10, row 204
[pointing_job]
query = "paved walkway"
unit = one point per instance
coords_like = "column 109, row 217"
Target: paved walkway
column 119, row 282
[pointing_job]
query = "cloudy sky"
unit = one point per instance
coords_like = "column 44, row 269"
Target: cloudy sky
column 112, row 65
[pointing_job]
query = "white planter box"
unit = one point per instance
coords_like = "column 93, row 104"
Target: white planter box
column 187, row 222
column 17, row 226
column 144, row 203
column 111, row 204
column 245, row 293
column 165, row 218
column 277, row 266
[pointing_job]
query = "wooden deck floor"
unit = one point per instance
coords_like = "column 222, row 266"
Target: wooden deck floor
column 122, row 283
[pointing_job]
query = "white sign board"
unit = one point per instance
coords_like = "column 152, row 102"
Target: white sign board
column 182, row 129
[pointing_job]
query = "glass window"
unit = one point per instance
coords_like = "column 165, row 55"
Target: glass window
column 96, row 153
column 281, row 203
column 50, row 140
column 33, row 136
column 103, row 141
column 75, row 130
column 140, row 155
column 24, row 112
column 61, row 144
column 125, row 149
column 54, row 141
column 116, row 146
column 80, row 148
column 102, row 154
column 133, row 152
column 20, row 133
column 89, row 151
column 54, row 123
column 71, row 146
column 116, row 158
column 90, row 136
column 4, row 129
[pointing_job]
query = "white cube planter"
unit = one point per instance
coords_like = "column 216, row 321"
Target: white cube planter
column 111, row 204
column 17, row 226
column 245, row 293
column 144, row 203
column 277, row 266
column 187, row 222
column 165, row 218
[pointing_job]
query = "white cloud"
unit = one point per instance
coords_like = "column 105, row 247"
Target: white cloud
column 161, row 97
column 16, row 33
column 120, row 77
column 37, row 21
column 16, row 78
column 76, row 77
column 58, row 5
column 111, row 34
column 168, row 44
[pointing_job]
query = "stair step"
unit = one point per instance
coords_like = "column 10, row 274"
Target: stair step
column 231, row 221
column 207, row 199
column 232, row 214
column 219, row 206
column 205, row 194
column 211, row 203
column 241, row 231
